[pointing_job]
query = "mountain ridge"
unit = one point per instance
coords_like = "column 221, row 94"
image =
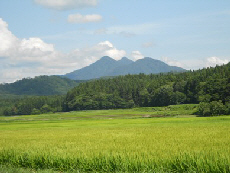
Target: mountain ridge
column 107, row 66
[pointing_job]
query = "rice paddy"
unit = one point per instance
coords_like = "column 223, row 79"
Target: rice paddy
column 132, row 143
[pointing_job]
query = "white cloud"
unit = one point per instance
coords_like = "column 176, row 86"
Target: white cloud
column 78, row 18
column 136, row 55
column 89, row 55
column 196, row 64
column 66, row 4
column 172, row 62
column 32, row 57
column 213, row 61
column 8, row 40
column 36, row 43
column 111, row 51
column 34, row 47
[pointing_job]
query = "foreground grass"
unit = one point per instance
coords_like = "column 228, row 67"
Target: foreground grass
column 12, row 169
column 117, row 145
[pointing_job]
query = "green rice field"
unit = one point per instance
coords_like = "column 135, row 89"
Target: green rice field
column 168, row 139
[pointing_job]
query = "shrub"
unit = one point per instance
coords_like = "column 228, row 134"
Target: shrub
column 214, row 108
column 217, row 108
column 204, row 109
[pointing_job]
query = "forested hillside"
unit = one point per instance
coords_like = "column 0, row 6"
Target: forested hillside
column 206, row 85
column 41, row 85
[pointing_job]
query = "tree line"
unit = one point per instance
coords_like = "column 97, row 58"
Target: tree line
column 32, row 105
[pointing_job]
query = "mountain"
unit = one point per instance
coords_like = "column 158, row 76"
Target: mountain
column 124, row 61
column 100, row 68
column 107, row 66
column 41, row 85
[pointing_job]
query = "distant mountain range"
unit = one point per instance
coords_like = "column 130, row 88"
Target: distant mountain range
column 107, row 66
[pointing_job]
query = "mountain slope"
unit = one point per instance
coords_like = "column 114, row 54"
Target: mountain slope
column 100, row 68
column 41, row 85
column 107, row 66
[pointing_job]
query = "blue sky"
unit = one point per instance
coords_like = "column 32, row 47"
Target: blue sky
column 44, row 37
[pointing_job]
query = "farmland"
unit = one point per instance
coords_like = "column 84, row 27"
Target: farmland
column 128, row 140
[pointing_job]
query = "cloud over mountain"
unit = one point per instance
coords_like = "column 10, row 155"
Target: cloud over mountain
column 136, row 55
column 212, row 61
column 33, row 56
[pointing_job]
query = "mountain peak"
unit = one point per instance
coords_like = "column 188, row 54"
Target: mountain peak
column 153, row 60
column 124, row 58
column 150, row 59
column 106, row 58
column 147, row 58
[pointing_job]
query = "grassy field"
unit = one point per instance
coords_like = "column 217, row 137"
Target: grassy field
column 116, row 141
column 147, row 112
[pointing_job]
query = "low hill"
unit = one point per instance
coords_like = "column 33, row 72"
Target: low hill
column 41, row 85
column 107, row 66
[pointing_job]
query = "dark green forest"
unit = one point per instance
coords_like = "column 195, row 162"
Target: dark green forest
column 32, row 105
column 210, row 87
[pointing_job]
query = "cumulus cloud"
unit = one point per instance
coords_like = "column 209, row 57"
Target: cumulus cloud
column 172, row 62
column 196, row 64
column 78, row 18
column 24, row 57
column 136, row 55
column 32, row 57
column 26, row 49
column 34, row 47
column 89, row 55
column 213, row 61
column 66, row 4
column 110, row 50
column 8, row 40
